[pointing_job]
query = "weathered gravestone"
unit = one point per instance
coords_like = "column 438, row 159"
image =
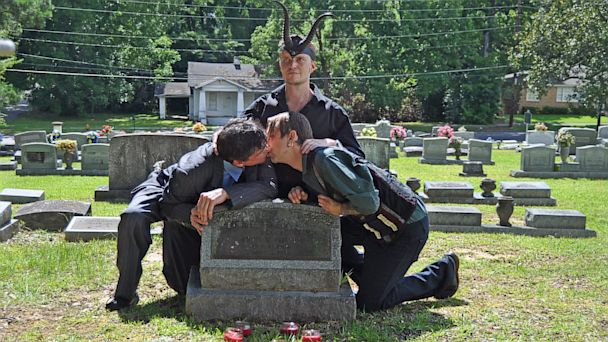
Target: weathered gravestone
column 383, row 129
column 538, row 158
column 86, row 228
column 602, row 132
column 528, row 193
column 52, row 215
column 540, row 137
column 95, row 157
column 270, row 261
column 80, row 138
column 480, row 150
column 592, row 158
column 39, row 156
column 132, row 158
column 434, row 150
column 392, row 150
column 465, row 135
column 412, row 146
column 445, row 217
column 8, row 226
column 20, row 196
column 448, row 192
column 582, row 137
column 29, row 137
column 472, row 169
column 376, row 150
column 8, row 166
column 553, row 218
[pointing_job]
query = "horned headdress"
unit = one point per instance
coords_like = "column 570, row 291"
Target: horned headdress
column 294, row 44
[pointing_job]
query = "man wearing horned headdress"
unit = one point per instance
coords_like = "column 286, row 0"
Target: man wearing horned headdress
column 329, row 121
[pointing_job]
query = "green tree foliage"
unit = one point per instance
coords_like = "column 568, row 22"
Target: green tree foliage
column 14, row 15
column 562, row 36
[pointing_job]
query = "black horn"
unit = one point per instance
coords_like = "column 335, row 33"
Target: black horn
column 313, row 29
column 286, row 34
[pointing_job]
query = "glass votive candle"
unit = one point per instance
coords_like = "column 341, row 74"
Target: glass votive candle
column 244, row 326
column 311, row 335
column 289, row 328
column 233, row 335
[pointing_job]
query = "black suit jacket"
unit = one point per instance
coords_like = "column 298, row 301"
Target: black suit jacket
column 202, row 170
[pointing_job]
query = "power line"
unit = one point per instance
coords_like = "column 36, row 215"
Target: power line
column 416, row 35
column 320, row 10
column 129, row 36
column 430, row 73
column 214, row 17
column 128, row 46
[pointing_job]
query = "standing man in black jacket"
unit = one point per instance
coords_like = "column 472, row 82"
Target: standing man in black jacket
column 233, row 170
column 329, row 121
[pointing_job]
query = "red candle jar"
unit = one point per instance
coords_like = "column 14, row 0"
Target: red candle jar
column 289, row 328
column 244, row 326
column 233, row 335
column 311, row 335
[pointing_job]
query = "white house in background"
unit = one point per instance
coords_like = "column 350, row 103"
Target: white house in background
column 170, row 90
column 218, row 92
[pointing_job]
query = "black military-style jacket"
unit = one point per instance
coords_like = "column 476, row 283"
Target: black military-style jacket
column 327, row 120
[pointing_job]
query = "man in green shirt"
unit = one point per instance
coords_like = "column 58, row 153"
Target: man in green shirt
column 344, row 187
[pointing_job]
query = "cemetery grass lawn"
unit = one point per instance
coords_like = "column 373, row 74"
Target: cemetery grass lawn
column 512, row 287
column 37, row 122
column 562, row 119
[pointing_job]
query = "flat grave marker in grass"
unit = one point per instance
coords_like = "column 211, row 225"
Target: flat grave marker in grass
column 52, row 215
column 20, row 196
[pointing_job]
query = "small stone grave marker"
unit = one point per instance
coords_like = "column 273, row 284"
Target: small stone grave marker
column 95, row 156
column 86, row 228
column 555, row 219
column 20, row 196
column 52, row 215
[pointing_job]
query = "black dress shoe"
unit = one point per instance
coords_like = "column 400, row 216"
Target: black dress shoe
column 117, row 303
column 453, row 281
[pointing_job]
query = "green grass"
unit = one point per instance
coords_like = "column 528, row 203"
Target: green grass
column 512, row 287
column 126, row 122
column 562, row 120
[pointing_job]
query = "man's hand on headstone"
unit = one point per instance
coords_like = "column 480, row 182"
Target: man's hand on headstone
column 297, row 195
column 329, row 205
column 207, row 202
column 311, row 144
column 195, row 220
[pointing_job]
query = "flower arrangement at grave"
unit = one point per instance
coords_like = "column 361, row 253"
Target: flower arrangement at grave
column 55, row 135
column 105, row 130
column 456, row 143
column 369, row 132
column 67, row 145
column 198, row 127
column 445, row 131
column 565, row 139
column 398, row 133
column 92, row 137
column 540, row 126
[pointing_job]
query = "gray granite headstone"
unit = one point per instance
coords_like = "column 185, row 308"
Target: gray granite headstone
column 582, row 137
column 480, row 150
column 465, row 135
column 52, row 215
column 434, row 149
column 556, row 219
column 376, row 150
column 6, row 212
column 412, row 141
column 20, row 196
column 602, row 132
column 80, row 138
column 29, row 137
column 95, row 156
column 453, row 216
column 8, row 166
column 132, row 158
column 270, row 261
column 592, row 158
column 525, row 189
column 383, row 129
column 540, row 137
column 38, row 156
column 448, row 189
column 86, row 228
column 392, row 151
column 538, row 158
column 472, row 169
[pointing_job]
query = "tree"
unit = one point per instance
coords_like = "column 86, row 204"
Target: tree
column 565, row 35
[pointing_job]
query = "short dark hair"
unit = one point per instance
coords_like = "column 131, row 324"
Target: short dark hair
column 287, row 121
column 239, row 139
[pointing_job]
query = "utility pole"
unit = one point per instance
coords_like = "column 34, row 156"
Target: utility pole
column 516, row 81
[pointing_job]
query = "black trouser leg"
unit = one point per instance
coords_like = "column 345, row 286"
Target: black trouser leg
column 133, row 242
column 181, row 251
column 381, row 280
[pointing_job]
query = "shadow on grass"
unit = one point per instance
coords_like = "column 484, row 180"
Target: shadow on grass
column 409, row 320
